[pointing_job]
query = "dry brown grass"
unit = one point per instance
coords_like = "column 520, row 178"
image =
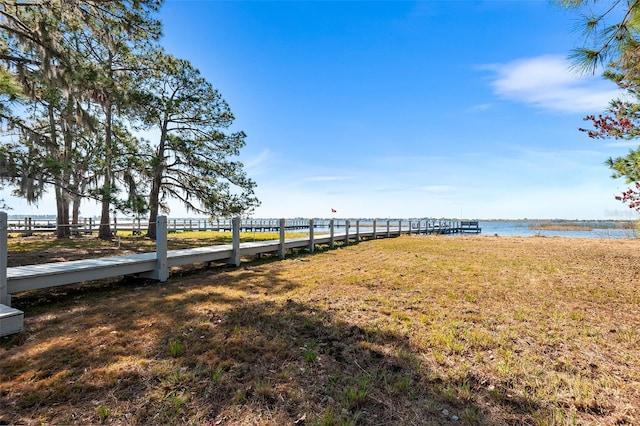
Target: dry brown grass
column 411, row 330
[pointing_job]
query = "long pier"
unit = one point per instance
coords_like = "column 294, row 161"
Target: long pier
column 157, row 265
column 29, row 226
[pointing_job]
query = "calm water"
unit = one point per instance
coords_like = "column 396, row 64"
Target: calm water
column 522, row 229
column 500, row 228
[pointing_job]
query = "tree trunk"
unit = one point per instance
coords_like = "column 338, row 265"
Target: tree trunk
column 62, row 211
column 154, row 203
column 62, row 204
column 156, row 184
column 75, row 213
column 104, row 231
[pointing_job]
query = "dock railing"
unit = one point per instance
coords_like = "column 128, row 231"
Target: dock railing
column 156, row 265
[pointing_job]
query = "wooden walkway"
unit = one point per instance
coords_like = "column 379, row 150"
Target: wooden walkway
column 422, row 226
column 156, row 265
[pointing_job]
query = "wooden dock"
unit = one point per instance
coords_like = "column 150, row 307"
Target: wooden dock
column 29, row 226
column 156, row 264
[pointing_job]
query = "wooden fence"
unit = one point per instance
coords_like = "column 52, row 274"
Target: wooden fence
column 156, row 265
column 30, row 226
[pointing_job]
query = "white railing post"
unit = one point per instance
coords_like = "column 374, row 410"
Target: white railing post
column 235, row 242
column 281, row 249
column 161, row 272
column 5, row 298
column 311, row 243
column 346, row 232
column 331, row 233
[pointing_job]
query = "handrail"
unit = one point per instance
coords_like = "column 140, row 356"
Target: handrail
column 156, row 265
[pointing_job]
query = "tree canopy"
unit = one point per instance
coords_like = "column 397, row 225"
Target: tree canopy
column 612, row 43
column 77, row 78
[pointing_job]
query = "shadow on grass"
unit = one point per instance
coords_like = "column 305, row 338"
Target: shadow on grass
column 222, row 347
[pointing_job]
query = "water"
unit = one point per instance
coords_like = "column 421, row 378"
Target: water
column 522, row 229
column 592, row 229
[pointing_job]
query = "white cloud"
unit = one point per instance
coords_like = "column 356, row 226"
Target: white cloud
column 548, row 82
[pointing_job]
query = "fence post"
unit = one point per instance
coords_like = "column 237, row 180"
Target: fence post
column 388, row 229
column 357, row 230
column 311, row 243
column 161, row 271
column 235, row 242
column 5, row 298
column 346, row 232
column 281, row 249
column 375, row 233
column 331, row 233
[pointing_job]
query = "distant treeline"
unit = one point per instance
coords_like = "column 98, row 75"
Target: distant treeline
column 581, row 225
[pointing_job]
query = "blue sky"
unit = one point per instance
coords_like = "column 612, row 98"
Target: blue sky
column 405, row 109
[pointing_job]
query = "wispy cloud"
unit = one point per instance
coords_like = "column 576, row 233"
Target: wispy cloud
column 259, row 163
column 481, row 107
column 437, row 188
column 622, row 144
column 548, row 82
column 327, row 178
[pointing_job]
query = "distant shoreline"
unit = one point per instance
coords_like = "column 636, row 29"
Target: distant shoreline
column 552, row 227
column 581, row 225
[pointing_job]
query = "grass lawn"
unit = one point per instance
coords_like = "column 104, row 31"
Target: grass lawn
column 410, row 330
column 46, row 248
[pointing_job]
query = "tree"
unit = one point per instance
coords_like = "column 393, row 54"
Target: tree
column 606, row 41
column 85, row 72
column 79, row 52
column 616, row 48
column 192, row 159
